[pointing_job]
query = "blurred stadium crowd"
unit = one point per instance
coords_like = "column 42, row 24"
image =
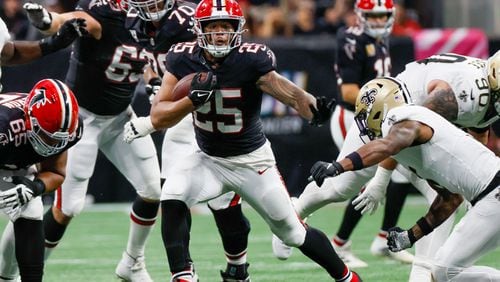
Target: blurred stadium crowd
column 265, row 18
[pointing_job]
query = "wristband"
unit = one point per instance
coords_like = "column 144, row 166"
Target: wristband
column 357, row 162
column 46, row 46
column 155, row 81
column 424, row 226
column 411, row 236
column 38, row 187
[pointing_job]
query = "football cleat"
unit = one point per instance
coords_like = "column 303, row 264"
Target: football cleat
column 280, row 249
column 346, row 255
column 235, row 273
column 132, row 269
column 379, row 248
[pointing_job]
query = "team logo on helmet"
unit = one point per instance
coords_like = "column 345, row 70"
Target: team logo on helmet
column 368, row 97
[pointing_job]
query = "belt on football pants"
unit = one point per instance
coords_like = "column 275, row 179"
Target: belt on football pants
column 493, row 184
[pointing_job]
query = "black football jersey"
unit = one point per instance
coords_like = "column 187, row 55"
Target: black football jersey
column 15, row 150
column 360, row 58
column 103, row 73
column 229, row 124
column 175, row 27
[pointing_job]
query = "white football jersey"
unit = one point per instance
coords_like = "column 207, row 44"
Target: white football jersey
column 467, row 78
column 451, row 158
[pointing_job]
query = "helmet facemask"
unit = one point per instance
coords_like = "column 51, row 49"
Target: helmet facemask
column 208, row 39
column 366, row 9
column 149, row 10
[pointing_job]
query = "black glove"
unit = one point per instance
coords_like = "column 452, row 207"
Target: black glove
column 152, row 88
column 68, row 32
column 323, row 110
column 202, row 89
column 321, row 170
column 399, row 239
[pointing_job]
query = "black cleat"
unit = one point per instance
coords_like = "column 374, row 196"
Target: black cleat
column 235, row 273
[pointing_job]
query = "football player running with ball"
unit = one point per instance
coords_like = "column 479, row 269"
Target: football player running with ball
column 234, row 152
column 158, row 25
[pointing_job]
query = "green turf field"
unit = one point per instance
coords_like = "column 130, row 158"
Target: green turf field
column 94, row 242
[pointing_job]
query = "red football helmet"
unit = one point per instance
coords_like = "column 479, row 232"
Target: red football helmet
column 51, row 113
column 365, row 8
column 218, row 10
column 148, row 10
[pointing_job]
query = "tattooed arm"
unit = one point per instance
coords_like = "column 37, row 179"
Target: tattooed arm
column 441, row 99
column 287, row 92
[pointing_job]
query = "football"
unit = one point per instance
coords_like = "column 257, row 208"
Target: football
column 183, row 86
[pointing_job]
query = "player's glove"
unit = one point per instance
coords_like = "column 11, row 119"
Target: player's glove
column 323, row 110
column 399, row 239
column 22, row 193
column 202, row 90
column 374, row 194
column 38, row 15
column 69, row 31
column 321, row 170
column 152, row 88
column 137, row 127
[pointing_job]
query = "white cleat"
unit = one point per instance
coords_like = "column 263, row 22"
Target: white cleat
column 132, row 269
column 346, row 255
column 379, row 248
column 280, row 249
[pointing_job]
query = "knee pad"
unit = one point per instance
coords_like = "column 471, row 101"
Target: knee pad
column 292, row 236
column 443, row 273
column 151, row 191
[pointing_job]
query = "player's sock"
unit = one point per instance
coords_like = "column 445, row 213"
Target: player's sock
column 233, row 228
column 318, row 248
column 338, row 241
column 29, row 248
column 395, row 199
column 174, row 227
column 54, row 231
column 349, row 222
column 142, row 219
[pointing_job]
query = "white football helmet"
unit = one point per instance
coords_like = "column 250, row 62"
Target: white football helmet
column 218, row 10
column 148, row 10
column 365, row 8
column 374, row 100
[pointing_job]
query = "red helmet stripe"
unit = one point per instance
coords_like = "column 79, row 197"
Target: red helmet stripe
column 66, row 117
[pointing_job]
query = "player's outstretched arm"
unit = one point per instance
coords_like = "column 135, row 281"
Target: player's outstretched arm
column 50, row 22
column 401, row 136
column 21, row 52
column 441, row 209
column 316, row 110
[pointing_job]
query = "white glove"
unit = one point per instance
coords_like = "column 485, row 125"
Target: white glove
column 15, row 197
column 38, row 15
column 374, row 193
column 137, row 127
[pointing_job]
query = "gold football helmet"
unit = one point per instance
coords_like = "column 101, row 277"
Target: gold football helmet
column 494, row 71
column 374, row 100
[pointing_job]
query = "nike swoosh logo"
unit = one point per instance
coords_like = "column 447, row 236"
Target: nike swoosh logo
column 260, row 172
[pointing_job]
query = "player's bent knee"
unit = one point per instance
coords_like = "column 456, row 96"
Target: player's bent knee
column 149, row 195
column 292, row 236
column 74, row 210
column 442, row 273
